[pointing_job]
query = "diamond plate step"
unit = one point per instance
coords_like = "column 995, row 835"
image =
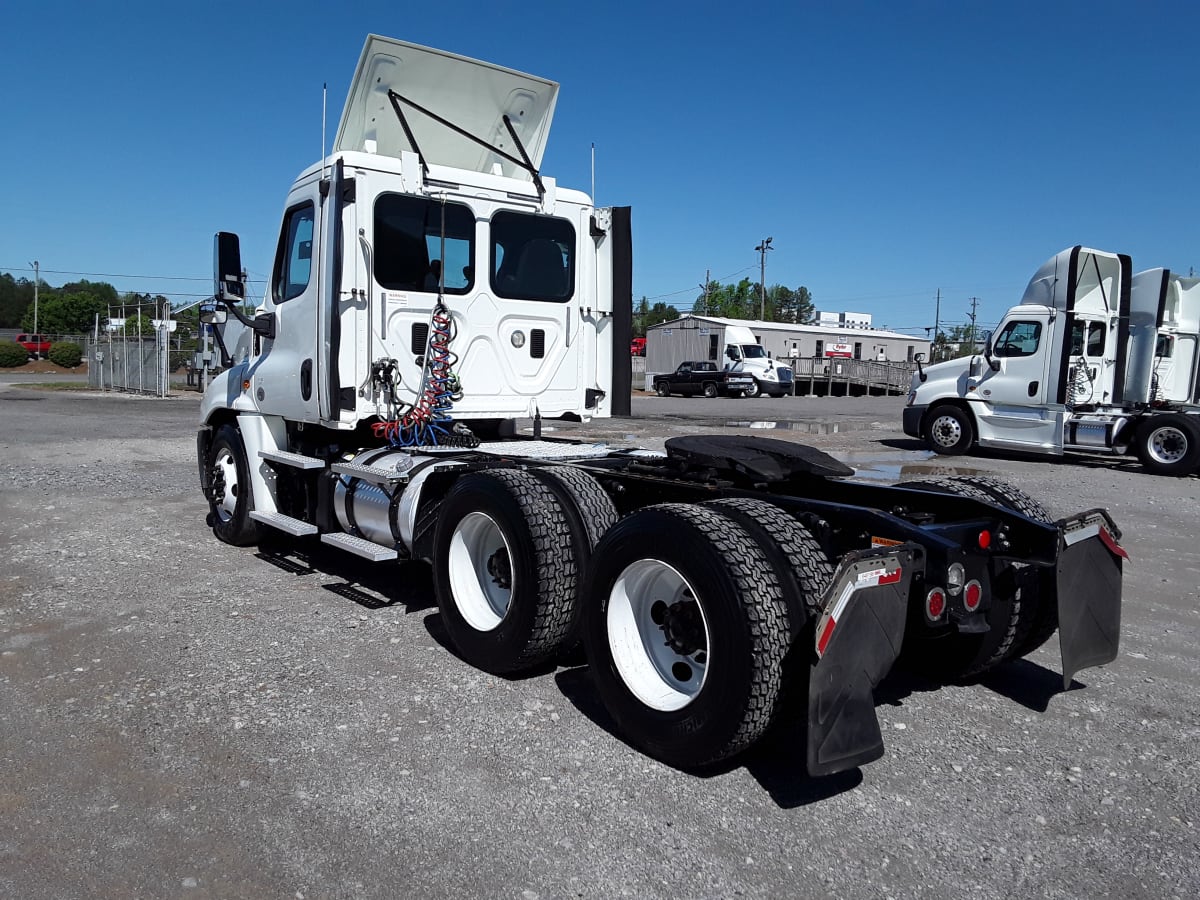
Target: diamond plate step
column 370, row 474
column 359, row 547
column 295, row 460
column 283, row 523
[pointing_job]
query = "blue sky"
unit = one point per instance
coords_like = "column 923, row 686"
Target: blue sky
column 889, row 149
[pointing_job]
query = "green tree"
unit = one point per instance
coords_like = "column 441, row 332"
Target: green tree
column 787, row 305
column 66, row 313
column 101, row 290
column 744, row 301
column 16, row 295
column 661, row 312
column 639, row 317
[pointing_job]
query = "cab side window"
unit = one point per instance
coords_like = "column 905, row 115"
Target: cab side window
column 1018, row 339
column 293, row 257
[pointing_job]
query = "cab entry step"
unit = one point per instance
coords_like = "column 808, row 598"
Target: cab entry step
column 295, row 527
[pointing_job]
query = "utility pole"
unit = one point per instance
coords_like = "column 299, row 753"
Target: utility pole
column 762, row 277
column 971, row 316
column 937, row 325
column 36, row 278
column 704, row 287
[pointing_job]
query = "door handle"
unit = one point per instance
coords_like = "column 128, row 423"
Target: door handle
column 1033, row 388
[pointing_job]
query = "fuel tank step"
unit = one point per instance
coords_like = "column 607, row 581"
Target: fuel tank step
column 359, row 547
column 292, row 526
column 295, row 460
column 370, row 474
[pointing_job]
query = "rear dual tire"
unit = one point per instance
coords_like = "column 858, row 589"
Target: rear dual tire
column 687, row 639
column 510, row 550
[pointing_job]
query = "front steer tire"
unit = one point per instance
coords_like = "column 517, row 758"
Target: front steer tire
column 686, row 632
column 949, row 430
column 231, row 496
column 505, row 570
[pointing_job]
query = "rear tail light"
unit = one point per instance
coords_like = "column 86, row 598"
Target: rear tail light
column 985, row 539
column 973, row 596
column 935, row 604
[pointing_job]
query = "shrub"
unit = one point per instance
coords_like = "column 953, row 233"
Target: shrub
column 12, row 354
column 65, row 354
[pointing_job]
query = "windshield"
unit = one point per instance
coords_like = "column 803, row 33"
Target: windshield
column 753, row 351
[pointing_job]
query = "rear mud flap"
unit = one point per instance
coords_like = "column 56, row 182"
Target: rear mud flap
column 858, row 638
column 1089, row 591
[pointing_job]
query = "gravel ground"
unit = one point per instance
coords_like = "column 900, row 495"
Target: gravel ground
column 183, row 718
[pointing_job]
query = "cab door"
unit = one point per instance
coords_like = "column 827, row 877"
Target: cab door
column 1017, row 392
column 287, row 374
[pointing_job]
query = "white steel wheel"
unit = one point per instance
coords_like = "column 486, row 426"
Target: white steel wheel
column 225, row 475
column 1167, row 445
column 481, row 571
column 658, row 635
column 230, row 490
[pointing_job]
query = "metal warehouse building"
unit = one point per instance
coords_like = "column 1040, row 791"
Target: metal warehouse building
column 703, row 337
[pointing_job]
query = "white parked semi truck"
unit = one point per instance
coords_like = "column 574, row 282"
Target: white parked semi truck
column 743, row 353
column 1077, row 366
column 430, row 286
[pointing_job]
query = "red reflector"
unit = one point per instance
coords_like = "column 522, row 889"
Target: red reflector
column 935, row 603
column 826, row 635
column 973, row 595
column 985, row 540
column 891, row 577
column 1111, row 543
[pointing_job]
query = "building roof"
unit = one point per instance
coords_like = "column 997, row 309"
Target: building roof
column 754, row 324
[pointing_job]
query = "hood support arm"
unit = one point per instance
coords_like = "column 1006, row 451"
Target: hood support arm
column 524, row 162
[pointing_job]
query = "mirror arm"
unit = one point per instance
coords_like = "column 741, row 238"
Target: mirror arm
column 263, row 324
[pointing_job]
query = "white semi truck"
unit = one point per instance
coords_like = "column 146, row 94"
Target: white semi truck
column 1075, row 367
column 743, row 353
column 430, row 286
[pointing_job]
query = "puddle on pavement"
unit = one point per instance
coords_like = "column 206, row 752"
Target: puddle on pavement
column 892, row 467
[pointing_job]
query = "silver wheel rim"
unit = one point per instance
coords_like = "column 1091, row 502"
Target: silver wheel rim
column 481, row 577
column 946, row 431
column 665, row 676
column 752, row 390
column 225, row 465
column 1167, row 444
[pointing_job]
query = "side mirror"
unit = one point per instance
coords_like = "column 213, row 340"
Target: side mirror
column 212, row 315
column 227, row 268
column 306, row 249
column 919, row 357
column 993, row 363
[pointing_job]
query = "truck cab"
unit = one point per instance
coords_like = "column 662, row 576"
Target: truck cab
column 1057, row 350
column 743, row 353
column 430, row 233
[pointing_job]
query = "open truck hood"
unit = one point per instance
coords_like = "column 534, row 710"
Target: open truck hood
column 474, row 95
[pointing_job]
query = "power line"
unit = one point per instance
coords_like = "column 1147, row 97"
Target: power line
column 109, row 274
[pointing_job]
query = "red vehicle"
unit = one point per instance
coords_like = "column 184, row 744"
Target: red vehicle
column 37, row 345
column 637, row 347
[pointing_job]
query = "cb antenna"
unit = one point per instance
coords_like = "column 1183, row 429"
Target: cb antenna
column 593, row 173
column 324, row 93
